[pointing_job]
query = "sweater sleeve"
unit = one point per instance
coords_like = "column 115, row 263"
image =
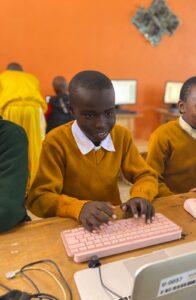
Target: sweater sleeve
column 45, row 196
column 13, row 174
column 158, row 154
column 136, row 170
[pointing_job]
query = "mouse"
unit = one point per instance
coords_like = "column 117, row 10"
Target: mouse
column 190, row 206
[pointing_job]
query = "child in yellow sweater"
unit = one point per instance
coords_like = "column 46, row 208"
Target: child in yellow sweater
column 80, row 161
column 172, row 147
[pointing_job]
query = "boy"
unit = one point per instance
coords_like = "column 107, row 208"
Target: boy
column 81, row 160
column 58, row 107
column 13, row 174
column 172, row 147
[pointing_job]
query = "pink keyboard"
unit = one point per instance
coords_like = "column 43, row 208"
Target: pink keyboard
column 121, row 236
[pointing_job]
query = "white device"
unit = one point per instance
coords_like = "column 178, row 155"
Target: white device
column 125, row 91
column 190, row 206
column 172, row 92
column 168, row 274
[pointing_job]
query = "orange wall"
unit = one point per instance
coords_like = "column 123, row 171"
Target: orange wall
column 53, row 37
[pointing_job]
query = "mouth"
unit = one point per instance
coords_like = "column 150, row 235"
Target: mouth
column 102, row 134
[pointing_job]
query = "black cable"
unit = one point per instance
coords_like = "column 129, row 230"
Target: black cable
column 107, row 288
column 5, row 287
column 30, row 280
column 57, row 268
column 44, row 296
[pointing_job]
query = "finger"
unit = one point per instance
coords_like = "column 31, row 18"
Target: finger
column 93, row 222
column 108, row 210
column 153, row 213
column 124, row 206
column 148, row 214
column 143, row 207
column 132, row 206
column 101, row 216
column 86, row 225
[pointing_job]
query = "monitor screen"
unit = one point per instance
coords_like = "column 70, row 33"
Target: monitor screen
column 125, row 91
column 172, row 92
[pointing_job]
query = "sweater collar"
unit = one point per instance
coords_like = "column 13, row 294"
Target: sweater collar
column 186, row 127
column 85, row 145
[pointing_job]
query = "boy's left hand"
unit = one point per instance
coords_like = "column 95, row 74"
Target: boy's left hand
column 138, row 207
column 193, row 190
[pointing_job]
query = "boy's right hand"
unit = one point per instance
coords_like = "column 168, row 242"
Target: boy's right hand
column 95, row 213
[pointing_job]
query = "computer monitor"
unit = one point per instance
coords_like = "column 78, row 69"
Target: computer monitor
column 172, row 92
column 125, row 91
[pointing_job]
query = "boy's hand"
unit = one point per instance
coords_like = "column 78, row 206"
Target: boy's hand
column 193, row 190
column 138, row 207
column 95, row 213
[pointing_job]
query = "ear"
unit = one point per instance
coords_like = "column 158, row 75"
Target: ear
column 182, row 107
column 71, row 108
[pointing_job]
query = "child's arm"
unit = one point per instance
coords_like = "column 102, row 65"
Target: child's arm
column 145, row 184
column 136, row 170
column 158, row 155
column 45, row 197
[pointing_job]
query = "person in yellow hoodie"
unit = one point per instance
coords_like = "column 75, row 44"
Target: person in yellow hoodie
column 80, row 161
column 172, row 147
column 21, row 102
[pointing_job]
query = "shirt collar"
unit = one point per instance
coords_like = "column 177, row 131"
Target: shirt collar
column 85, row 145
column 186, row 127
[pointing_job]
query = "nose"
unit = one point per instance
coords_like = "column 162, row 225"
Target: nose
column 100, row 123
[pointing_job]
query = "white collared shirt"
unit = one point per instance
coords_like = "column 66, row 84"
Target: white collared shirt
column 85, row 145
column 186, row 127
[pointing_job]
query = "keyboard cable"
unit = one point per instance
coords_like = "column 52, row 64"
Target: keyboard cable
column 94, row 262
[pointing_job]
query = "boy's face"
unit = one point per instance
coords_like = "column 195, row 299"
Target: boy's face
column 188, row 108
column 59, row 87
column 94, row 111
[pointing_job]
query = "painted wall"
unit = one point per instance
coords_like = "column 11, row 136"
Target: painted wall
column 54, row 37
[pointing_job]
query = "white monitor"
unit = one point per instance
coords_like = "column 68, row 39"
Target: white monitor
column 125, row 91
column 172, row 92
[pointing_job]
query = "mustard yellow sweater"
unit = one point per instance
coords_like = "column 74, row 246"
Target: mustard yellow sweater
column 66, row 178
column 172, row 153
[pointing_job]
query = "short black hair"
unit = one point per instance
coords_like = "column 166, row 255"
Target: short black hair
column 13, row 66
column 187, row 85
column 89, row 80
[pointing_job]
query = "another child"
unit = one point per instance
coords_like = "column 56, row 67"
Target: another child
column 81, row 161
column 13, row 174
column 58, row 106
column 172, row 147
column 22, row 103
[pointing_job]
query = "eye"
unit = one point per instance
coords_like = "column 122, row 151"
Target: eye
column 89, row 116
column 109, row 113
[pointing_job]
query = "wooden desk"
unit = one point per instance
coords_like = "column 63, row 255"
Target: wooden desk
column 41, row 239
